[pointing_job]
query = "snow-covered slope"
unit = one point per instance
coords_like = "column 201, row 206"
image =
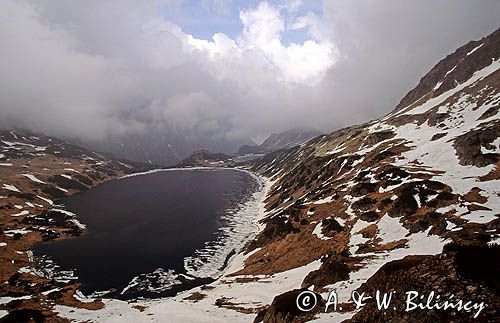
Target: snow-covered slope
column 423, row 176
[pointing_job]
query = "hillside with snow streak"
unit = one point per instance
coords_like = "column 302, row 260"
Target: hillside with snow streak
column 423, row 176
column 405, row 202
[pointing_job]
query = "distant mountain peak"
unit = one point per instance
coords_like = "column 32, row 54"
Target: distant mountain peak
column 454, row 69
column 397, row 203
column 283, row 140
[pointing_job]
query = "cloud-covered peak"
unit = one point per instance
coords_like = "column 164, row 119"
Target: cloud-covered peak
column 96, row 68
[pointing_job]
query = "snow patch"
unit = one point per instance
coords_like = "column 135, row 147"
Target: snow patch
column 324, row 200
column 11, row 188
column 476, row 48
column 317, row 232
column 33, row 178
column 390, row 229
column 21, row 213
column 46, row 200
column 429, row 104
column 420, row 243
column 11, row 233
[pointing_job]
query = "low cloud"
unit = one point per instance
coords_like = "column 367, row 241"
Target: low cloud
column 93, row 69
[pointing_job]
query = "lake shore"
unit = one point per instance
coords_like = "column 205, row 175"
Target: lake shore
column 179, row 307
column 169, row 213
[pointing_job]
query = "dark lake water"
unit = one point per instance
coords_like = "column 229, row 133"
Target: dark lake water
column 139, row 224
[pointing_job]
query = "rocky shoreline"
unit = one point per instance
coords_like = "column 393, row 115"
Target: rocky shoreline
column 38, row 170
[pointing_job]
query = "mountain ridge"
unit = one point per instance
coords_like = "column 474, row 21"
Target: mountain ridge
column 36, row 171
column 283, row 140
column 165, row 148
column 404, row 185
column 444, row 75
column 404, row 202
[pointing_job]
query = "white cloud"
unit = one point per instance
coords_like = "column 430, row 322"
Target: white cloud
column 301, row 63
column 293, row 5
column 264, row 25
column 93, row 68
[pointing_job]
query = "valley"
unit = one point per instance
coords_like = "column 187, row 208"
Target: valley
column 406, row 202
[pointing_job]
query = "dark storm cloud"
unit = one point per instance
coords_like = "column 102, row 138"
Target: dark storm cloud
column 389, row 45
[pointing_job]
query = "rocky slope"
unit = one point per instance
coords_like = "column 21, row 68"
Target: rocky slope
column 406, row 202
column 364, row 197
column 36, row 171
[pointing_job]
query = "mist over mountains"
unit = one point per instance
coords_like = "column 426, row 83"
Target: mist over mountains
column 124, row 72
column 165, row 148
column 284, row 140
column 295, row 171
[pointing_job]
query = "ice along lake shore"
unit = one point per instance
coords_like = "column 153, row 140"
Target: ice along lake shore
column 156, row 233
